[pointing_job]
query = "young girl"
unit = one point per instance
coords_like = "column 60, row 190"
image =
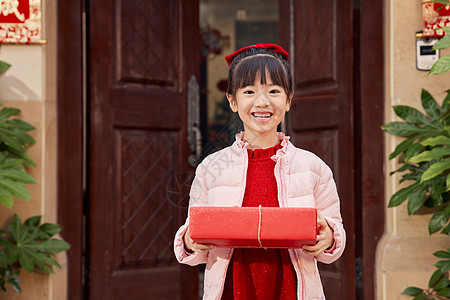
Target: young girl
column 263, row 168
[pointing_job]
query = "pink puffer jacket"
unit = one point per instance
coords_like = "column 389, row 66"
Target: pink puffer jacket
column 303, row 180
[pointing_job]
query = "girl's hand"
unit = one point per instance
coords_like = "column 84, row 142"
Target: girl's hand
column 324, row 238
column 190, row 245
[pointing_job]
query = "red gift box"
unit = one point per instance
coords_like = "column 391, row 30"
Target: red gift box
column 253, row 227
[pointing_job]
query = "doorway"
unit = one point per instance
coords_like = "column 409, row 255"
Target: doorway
column 120, row 128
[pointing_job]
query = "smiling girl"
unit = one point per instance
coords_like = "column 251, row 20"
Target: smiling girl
column 263, row 168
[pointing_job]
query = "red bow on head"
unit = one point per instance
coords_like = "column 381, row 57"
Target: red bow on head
column 272, row 47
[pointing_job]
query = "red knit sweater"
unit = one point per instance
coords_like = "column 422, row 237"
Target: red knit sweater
column 258, row 273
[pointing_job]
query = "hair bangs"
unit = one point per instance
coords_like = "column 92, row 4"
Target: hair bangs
column 259, row 67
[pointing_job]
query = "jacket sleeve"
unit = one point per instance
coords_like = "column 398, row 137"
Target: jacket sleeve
column 198, row 196
column 328, row 205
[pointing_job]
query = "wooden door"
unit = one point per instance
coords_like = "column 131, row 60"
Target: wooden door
column 321, row 119
column 141, row 56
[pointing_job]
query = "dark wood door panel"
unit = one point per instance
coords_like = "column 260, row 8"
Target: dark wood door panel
column 324, row 110
column 138, row 145
column 323, row 142
column 321, row 119
column 147, row 42
column 161, row 285
column 316, row 33
column 145, row 163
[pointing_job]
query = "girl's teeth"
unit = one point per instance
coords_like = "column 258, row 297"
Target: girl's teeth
column 262, row 115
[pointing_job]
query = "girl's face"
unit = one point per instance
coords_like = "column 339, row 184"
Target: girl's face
column 261, row 107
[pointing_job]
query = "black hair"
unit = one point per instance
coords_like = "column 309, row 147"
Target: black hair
column 254, row 62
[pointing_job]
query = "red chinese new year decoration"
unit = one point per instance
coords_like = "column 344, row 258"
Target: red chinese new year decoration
column 20, row 21
column 435, row 15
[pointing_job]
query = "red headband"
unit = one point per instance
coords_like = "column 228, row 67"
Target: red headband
column 271, row 47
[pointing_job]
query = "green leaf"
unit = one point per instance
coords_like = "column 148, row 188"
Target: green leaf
column 446, row 230
column 434, row 278
column 8, row 112
column 405, row 167
column 436, row 169
column 13, row 135
column 442, row 283
column 52, row 246
column 33, row 221
column 13, row 253
column 26, row 261
column 413, row 150
column 6, row 198
column 443, row 265
column 15, row 188
column 437, row 141
column 411, row 115
column 15, row 227
column 419, row 297
column 443, row 43
column 439, row 219
column 433, row 154
column 19, row 125
column 442, row 65
column 3, row 260
column 430, row 105
column 445, row 29
column 50, row 229
column 400, row 196
column 447, row 183
column 31, row 246
column 12, row 179
column 445, row 292
column 4, row 66
column 416, row 199
column 442, row 254
column 445, row 108
column 401, row 147
column 18, row 175
column 404, row 129
column 14, row 139
column 15, row 284
column 412, row 291
column 436, row 188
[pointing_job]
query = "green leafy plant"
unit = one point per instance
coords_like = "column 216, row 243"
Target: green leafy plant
column 28, row 245
column 14, row 138
column 425, row 157
column 438, row 285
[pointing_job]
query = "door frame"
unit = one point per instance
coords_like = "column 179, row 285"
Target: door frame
column 371, row 116
column 70, row 137
column 70, row 189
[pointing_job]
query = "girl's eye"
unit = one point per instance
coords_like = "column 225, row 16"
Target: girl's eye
column 249, row 92
column 275, row 91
